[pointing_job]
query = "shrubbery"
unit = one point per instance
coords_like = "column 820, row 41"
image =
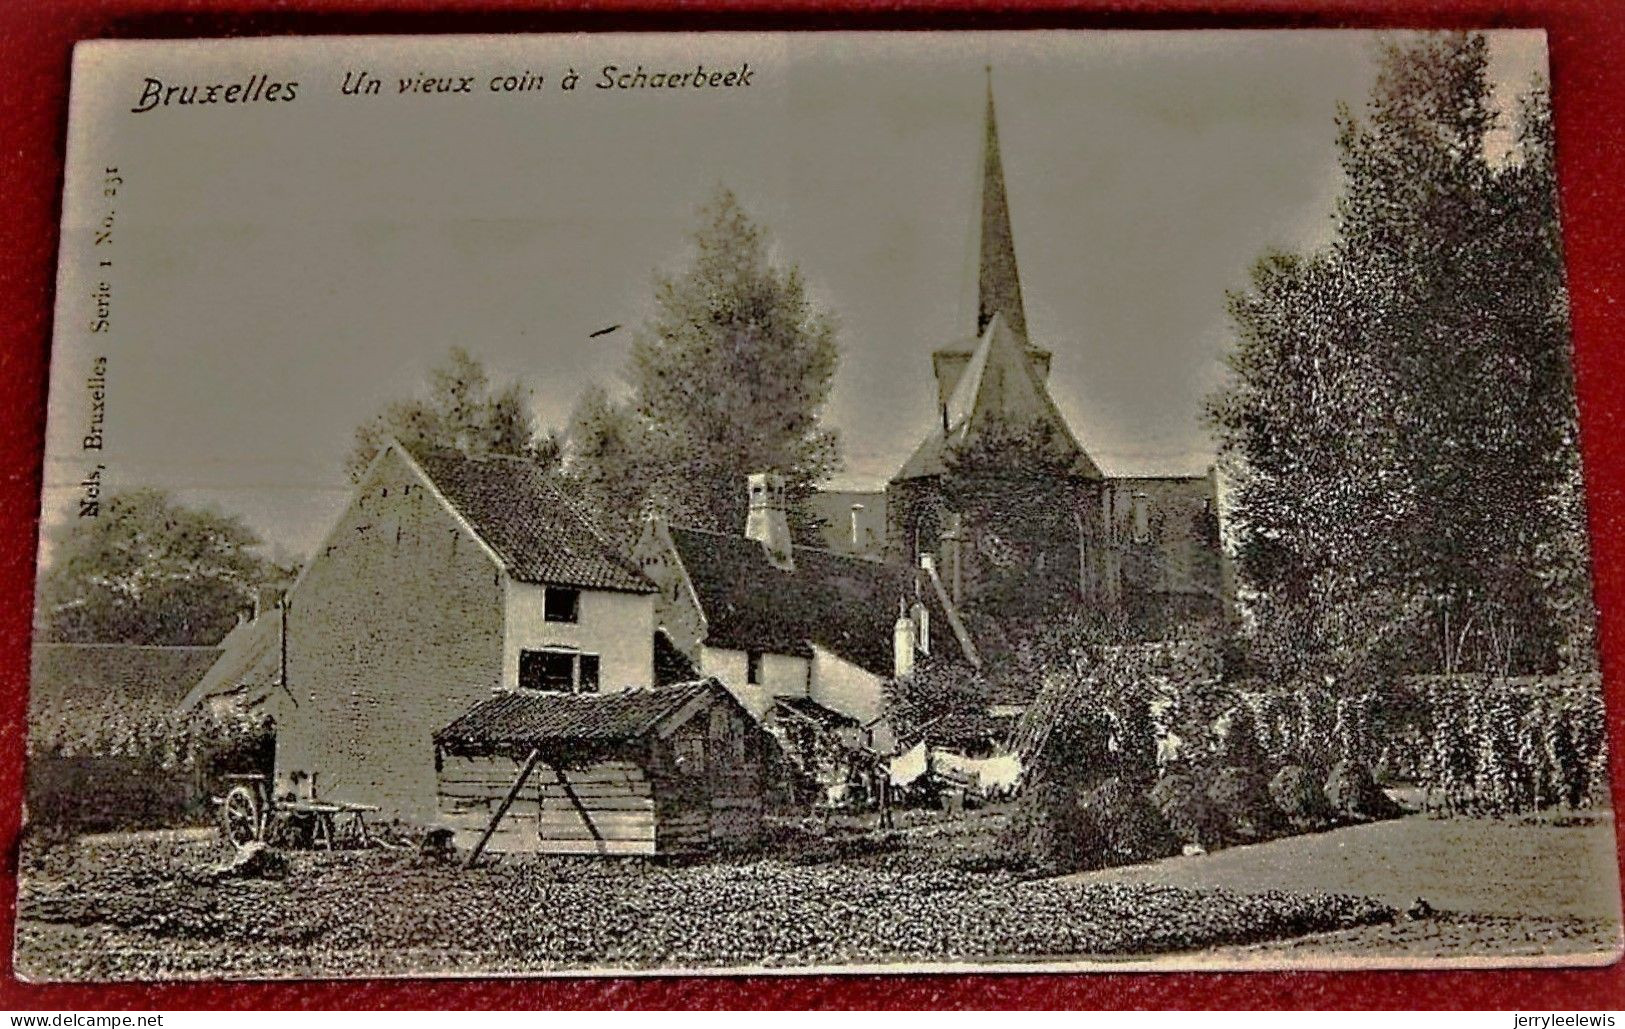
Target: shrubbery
column 1049, row 830
column 141, row 773
column 1354, row 794
column 1301, row 797
column 1125, row 825
column 1188, row 812
column 1509, row 746
column 1241, row 796
column 1478, row 745
column 1239, row 765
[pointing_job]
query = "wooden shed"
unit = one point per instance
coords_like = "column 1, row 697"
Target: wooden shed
column 671, row 769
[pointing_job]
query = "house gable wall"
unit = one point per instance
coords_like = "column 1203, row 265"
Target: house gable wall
column 396, row 627
column 675, row 607
column 618, row 627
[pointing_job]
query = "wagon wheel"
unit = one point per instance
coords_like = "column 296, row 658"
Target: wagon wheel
column 241, row 820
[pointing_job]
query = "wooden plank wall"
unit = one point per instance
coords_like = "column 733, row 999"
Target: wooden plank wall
column 612, row 810
column 620, row 807
column 720, row 808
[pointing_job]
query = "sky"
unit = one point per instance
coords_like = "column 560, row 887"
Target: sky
column 283, row 269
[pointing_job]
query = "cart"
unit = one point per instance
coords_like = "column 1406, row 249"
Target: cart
column 249, row 812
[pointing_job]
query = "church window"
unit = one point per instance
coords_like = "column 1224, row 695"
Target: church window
column 1140, row 511
column 753, row 667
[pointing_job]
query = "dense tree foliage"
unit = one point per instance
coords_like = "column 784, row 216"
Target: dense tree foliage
column 1017, row 489
column 1400, row 419
column 152, row 571
column 461, row 410
column 728, row 377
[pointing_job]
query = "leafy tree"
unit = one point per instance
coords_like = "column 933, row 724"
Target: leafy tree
column 1400, row 414
column 609, row 461
column 151, row 571
column 461, row 410
column 1018, row 487
column 730, row 376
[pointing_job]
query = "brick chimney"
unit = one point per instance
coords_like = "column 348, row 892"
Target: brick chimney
column 766, row 523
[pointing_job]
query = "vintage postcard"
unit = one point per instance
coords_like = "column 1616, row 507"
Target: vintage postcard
column 635, row 504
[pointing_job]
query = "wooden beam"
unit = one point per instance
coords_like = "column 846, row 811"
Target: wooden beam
column 502, row 809
column 581, row 809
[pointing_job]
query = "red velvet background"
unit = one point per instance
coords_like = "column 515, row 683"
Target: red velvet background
column 1588, row 76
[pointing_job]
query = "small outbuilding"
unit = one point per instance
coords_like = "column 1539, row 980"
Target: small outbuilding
column 681, row 768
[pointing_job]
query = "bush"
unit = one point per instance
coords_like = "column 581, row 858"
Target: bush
column 1508, row 746
column 1187, row 811
column 1299, row 796
column 1059, row 829
column 1239, row 745
column 1049, row 831
column 1353, row 793
column 1127, row 826
column 152, row 772
column 1243, row 801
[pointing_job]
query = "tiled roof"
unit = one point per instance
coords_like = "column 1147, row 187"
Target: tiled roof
column 847, row 605
column 810, row 709
column 80, row 693
column 966, row 727
column 540, row 534
column 250, row 655
column 519, row 719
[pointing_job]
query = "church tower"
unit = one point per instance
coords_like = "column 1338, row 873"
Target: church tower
column 993, row 285
column 990, row 385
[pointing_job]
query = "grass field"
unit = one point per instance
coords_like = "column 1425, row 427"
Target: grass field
column 123, row 908
column 1501, row 888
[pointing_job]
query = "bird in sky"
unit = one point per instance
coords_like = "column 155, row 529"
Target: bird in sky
column 603, row 332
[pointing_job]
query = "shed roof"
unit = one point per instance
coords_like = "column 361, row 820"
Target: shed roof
column 825, row 717
column 250, row 656
column 523, row 719
column 540, row 534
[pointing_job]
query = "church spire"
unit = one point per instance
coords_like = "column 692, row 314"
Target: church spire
column 998, row 285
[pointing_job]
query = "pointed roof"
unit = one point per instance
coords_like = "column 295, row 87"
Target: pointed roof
column 998, row 388
column 520, row 720
column 998, row 284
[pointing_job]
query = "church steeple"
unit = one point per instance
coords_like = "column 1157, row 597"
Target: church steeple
column 998, row 284
column 992, row 283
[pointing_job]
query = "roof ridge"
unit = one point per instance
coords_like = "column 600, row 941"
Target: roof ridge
column 860, row 558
